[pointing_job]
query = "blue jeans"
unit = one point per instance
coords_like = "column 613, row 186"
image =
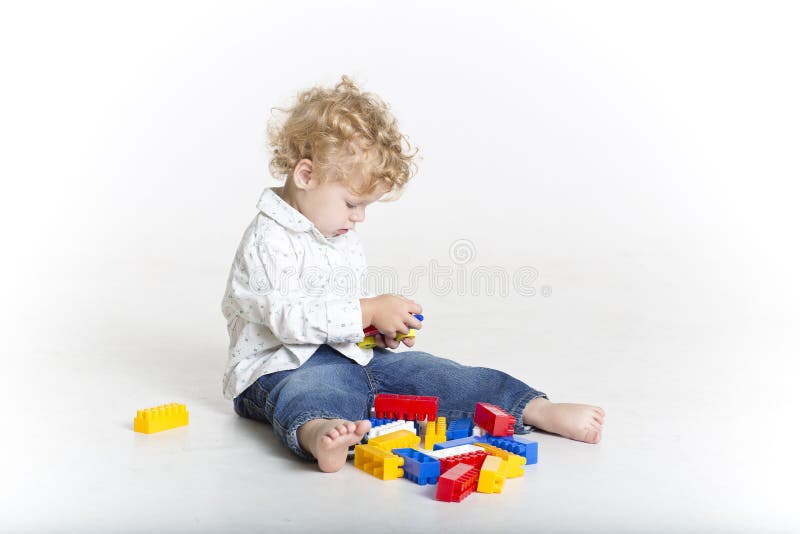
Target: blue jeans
column 331, row 386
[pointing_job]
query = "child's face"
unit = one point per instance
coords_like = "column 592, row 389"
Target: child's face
column 334, row 210
column 332, row 207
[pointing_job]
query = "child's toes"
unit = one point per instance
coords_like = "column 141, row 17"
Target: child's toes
column 363, row 427
column 592, row 436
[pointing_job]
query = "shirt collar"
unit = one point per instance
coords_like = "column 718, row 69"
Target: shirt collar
column 274, row 207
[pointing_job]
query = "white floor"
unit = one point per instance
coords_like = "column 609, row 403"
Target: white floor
column 697, row 437
column 641, row 156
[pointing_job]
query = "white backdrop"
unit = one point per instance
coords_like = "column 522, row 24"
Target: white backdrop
column 642, row 157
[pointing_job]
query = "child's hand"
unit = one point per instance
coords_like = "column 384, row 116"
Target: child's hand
column 391, row 315
column 381, row 341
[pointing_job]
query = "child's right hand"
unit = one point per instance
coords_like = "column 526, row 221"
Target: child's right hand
column 385, row 343
column 391, row 314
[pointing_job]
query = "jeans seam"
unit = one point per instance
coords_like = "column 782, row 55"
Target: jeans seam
column 373, row 390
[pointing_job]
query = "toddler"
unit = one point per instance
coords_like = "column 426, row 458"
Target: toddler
column 296, row 308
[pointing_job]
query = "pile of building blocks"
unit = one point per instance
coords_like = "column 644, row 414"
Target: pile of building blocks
column 408, row 440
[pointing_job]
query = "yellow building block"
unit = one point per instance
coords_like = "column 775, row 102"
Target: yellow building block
column 160, row 418
column 378, row 462
column 436, row 432
column 399, row 439
column 514, row 461
column 411, row 333
column 369, row 341
column 493, row 474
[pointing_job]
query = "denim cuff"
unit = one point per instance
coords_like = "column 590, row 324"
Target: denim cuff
column 290, row 435
column 519, row 407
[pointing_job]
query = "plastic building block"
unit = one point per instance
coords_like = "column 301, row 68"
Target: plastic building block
column 369, row 341
column 456, row 483
column 411, row 333
column 398, row 439
column 441, row 429
column 378, row 422
column 457, row 442
column 417, row 425
column 493, row 475
column 435, row 432
column 160, row 418
column 475, row 458
column 525, row 448
column 419, row 467
column 375, row 422
column 378, row 462
column 478, row 432
column 370, row 332
column 388, row 425
column 408, row 407
column 515, row 462
column 494, row 419
column 453, row 451
column 459, row 428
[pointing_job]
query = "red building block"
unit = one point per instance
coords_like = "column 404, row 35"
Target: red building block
column 472, row 458
column 408, row 407
column 457, row 483
column 494, row 420
column 371, row 331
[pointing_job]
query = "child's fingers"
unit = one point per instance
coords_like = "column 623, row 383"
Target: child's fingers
column 415, row 307
column 379, row 341
column 413, row 322
column 408, row 341
column 389, row 334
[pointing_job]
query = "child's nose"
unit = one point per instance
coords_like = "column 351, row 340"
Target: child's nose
column 358, row 215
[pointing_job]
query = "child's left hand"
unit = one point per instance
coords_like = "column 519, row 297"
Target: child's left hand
column 384, row 343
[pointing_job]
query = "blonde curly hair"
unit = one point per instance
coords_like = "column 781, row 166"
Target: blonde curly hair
column 342, row 130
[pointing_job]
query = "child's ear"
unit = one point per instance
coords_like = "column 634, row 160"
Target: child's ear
column 303, row 175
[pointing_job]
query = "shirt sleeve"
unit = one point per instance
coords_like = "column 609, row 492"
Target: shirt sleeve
column 266, row 287
column 361, row 269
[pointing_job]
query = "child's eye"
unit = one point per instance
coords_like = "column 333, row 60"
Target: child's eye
column 351, row 206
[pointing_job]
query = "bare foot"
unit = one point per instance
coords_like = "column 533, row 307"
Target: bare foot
column 329, row 439
column 580, row 422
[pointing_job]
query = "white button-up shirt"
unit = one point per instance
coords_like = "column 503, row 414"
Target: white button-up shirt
column 290, row 290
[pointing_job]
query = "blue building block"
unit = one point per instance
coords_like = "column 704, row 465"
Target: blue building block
column 419, row 467
column 457, row 442
column 380, row 422
column 522, row 447
column 459, row 428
